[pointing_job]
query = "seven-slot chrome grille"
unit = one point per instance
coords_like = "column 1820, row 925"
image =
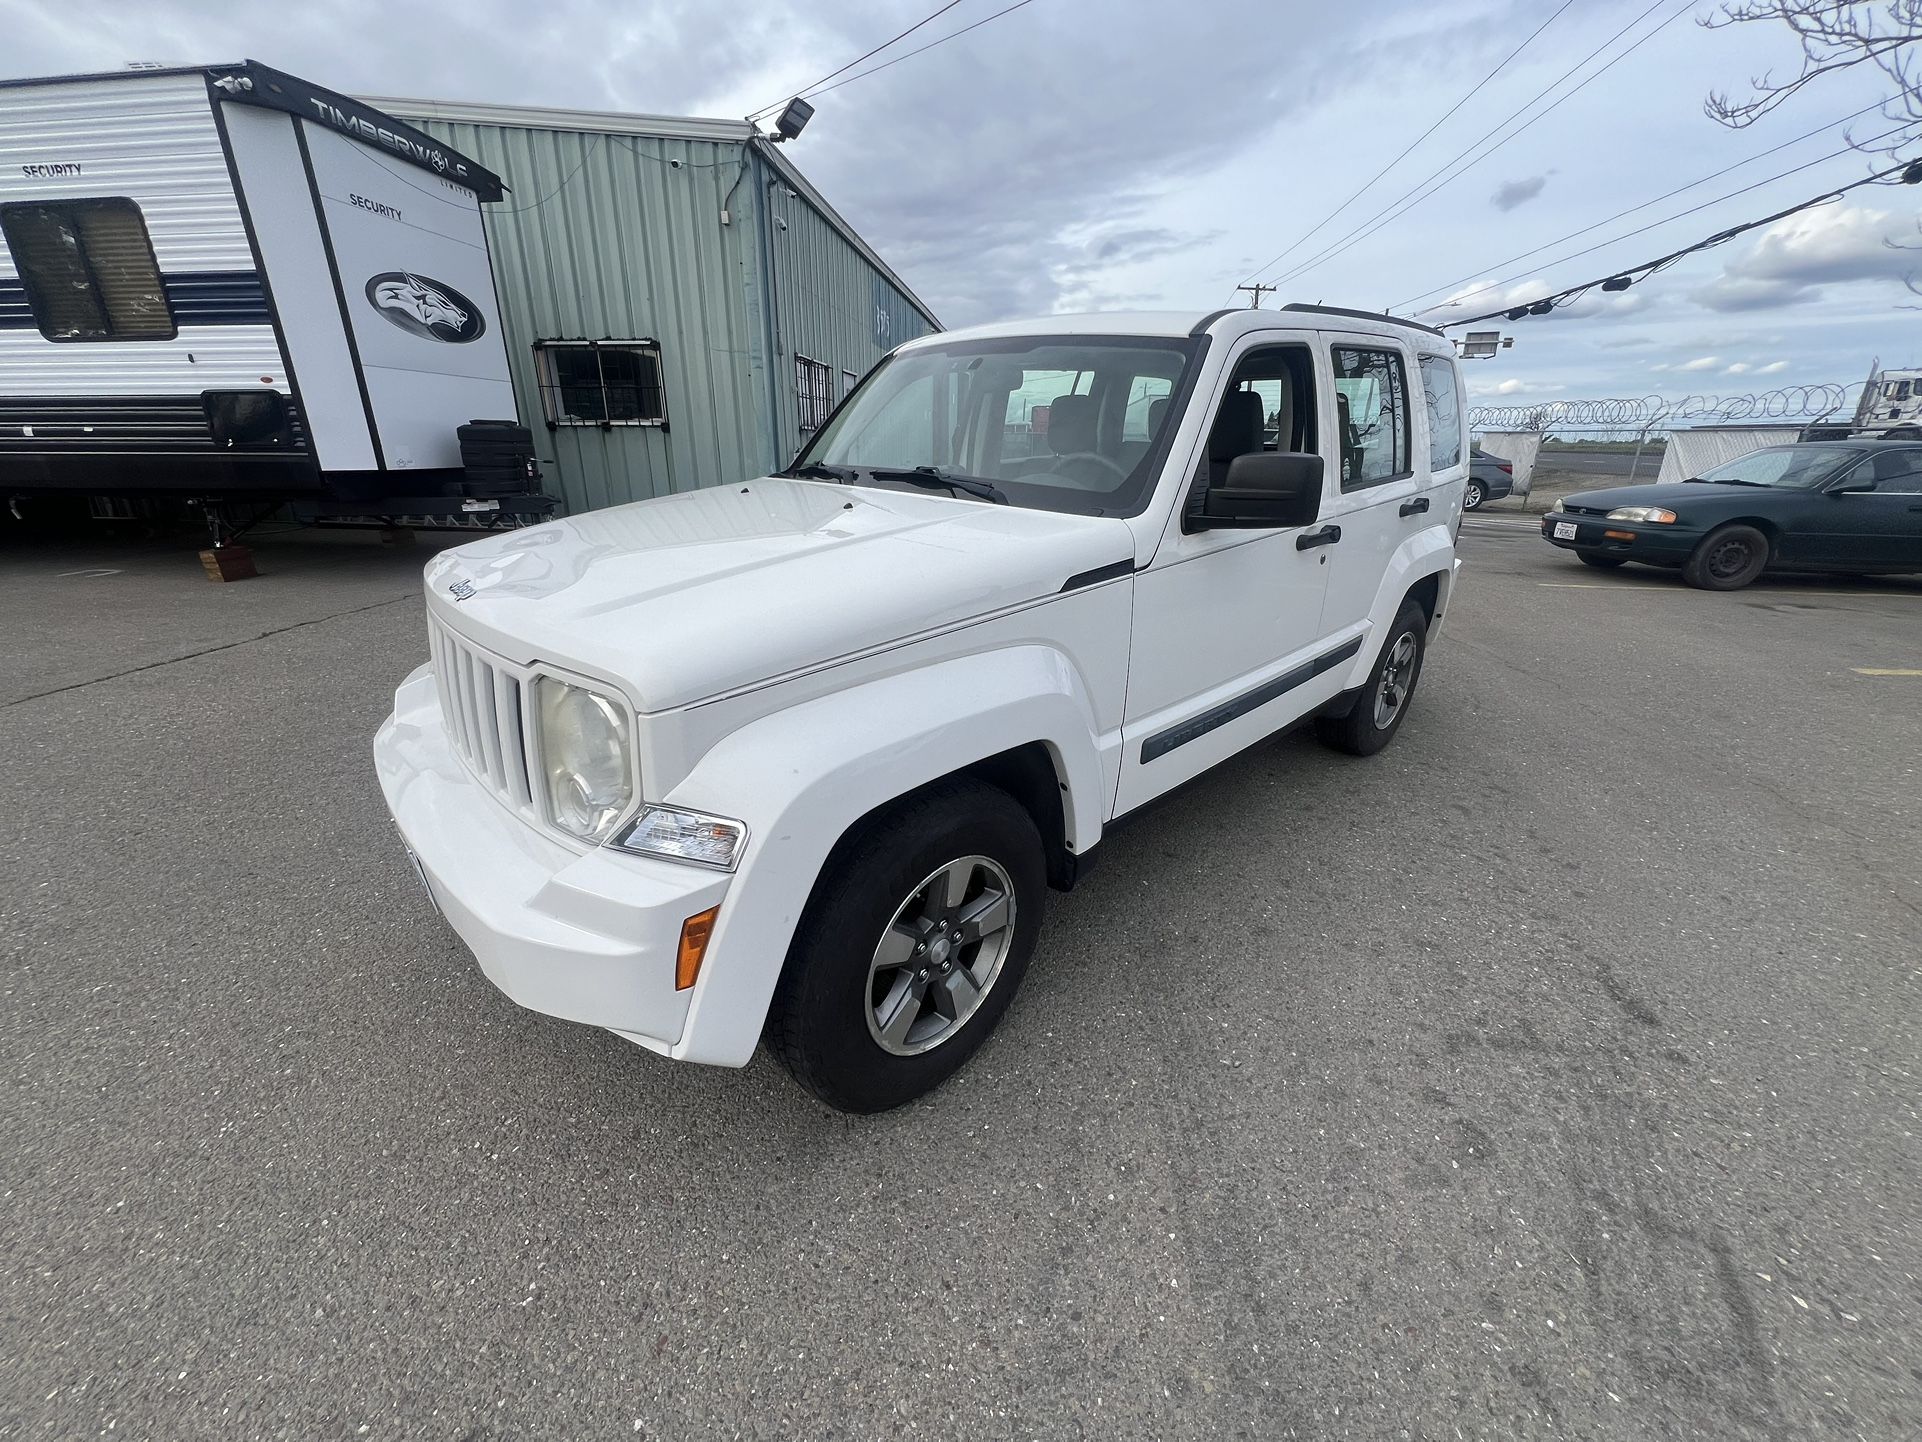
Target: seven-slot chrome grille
column 483, row 703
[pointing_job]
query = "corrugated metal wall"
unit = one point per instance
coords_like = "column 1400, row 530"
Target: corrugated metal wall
column 832, row 306
column 603, row 237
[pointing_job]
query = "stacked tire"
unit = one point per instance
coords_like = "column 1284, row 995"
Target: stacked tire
column 498, row 457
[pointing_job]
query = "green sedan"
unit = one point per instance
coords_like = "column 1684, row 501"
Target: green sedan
column 1849, row 506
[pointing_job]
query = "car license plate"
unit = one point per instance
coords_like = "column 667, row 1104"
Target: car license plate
column 1564, row 530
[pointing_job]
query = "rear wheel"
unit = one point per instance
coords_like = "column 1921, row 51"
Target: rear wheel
column 912, row 946
column 1382, row 703
column 1727, row 559
column 1473, row 497
column 1600, row 562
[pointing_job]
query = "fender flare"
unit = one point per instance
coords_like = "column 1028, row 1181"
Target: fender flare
column 1429, row 552
column 801, row 777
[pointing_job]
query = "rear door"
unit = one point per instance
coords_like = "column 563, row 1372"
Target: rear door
column 1877, row 529
column 1377, row 493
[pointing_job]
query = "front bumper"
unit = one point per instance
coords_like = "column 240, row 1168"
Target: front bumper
column 1631, row 540
column 590, row 936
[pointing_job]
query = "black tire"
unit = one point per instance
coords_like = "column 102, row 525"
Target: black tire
column 1364, row 731
column 1473, row 497
column 494, row 455
column 1728, row 558
column 819, row 1022
column 515, row 472
column 494, row 433
column 1599, row 561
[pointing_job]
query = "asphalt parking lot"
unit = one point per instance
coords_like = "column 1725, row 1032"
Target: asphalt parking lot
column 1554, row 1074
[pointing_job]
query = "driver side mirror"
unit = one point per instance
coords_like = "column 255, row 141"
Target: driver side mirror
column 1263, row 490
column 1852, row 488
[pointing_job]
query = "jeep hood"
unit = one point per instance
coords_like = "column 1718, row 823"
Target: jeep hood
column 697, row 594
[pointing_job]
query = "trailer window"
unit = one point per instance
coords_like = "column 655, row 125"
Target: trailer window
column 600, row 383
column 88, row 269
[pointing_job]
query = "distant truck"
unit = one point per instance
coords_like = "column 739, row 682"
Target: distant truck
column 227, row 284
column 1891, row 406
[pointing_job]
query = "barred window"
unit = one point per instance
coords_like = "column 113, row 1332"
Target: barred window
column 88, row 269
column 600, row 382
column 814, row 392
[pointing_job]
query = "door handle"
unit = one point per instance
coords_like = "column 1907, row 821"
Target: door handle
column 1414, row 507
column 1326, row 536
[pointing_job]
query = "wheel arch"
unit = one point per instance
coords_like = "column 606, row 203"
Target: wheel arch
column 806, row 780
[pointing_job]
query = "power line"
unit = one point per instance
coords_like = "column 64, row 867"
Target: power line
column 1445, row 175
column 1910, row 171
column 1680, row 214
column 955, row 35
column 1624, row 214
column 859, row 58
column 1303, row 238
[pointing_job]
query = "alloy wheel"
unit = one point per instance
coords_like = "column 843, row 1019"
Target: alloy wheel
column 1397, row 679
column 940, row 955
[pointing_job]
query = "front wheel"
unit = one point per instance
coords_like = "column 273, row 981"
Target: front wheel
column 1382, row 703
column 1473, row 497
column 1728, row 558
column 912, row 946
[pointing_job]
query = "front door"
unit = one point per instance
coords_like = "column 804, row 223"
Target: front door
column 1227, row 622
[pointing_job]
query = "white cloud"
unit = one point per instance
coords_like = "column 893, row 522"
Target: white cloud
column 1832, row 245
column 1773, row 368
column 1700, row 363
column 1739, row 368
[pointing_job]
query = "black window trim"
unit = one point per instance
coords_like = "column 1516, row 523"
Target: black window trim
column 29, row 284
column 1396, row 353
column 548, row 385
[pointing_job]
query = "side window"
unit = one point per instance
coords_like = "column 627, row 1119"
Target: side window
column 89, row 270
column 1442, row 398
column 1269, row 405
column 1371, row 405
column 1897, row 473
column 1138, row 422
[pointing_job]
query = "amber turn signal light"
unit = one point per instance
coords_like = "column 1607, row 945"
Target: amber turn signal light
column 695, row 932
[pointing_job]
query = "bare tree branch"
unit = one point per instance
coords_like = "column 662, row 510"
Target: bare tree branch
column 1836, row 36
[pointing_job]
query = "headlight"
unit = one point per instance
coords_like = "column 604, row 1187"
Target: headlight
column 1647, row 514
column 690, row 836
column 585, row 757
column 1558, row 506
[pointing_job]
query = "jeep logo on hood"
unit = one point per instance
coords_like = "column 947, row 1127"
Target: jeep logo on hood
column 423, row 306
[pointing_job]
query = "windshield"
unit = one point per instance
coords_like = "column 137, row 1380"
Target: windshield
column 1056, row 423
column 1801, row 468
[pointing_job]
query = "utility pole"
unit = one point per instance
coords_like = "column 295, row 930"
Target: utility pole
column 1258, row 290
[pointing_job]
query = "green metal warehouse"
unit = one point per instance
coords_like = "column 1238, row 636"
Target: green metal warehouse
column 682, row 307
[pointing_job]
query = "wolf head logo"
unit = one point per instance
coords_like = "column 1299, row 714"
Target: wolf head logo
column 425, row 307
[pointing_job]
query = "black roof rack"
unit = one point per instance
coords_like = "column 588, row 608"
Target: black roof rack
column 1374, row 315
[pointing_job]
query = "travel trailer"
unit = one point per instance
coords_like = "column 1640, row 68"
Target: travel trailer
column 228, row 284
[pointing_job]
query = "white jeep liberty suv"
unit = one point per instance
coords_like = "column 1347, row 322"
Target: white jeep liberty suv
column 798, row 759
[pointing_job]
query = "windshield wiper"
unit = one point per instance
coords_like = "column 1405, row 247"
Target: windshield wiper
column 815, row 471
column 931, row 476
column 1732, row 481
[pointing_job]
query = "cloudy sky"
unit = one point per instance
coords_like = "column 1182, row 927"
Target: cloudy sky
column 1083, row 154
